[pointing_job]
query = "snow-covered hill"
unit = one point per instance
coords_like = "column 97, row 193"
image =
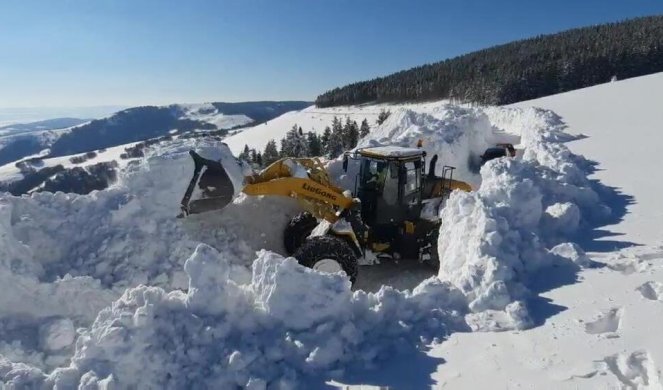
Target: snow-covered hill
column 76, row 154
column 208, row 301
column 49, row 124
column 137, row 124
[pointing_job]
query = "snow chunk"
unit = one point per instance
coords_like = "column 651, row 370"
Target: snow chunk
column 208, row 280
column 57, row 334
column 514, row 316
column 319, row 297
column 562, row 217
column 573, row 252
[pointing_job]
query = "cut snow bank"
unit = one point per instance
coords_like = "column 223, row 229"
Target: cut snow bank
column 457, row 135
column 492, row 240
column 112, row 264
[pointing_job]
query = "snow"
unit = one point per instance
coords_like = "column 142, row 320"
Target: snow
column 597, row 327
column 201, row 112
column 10, row 172
column 206, row 112
column 310, row 119
column 57, row 334
column 603, row 335
column 110, row 289
column 392, row 151
column 621, row 122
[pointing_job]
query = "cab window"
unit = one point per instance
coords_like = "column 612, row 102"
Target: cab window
column 412, row 177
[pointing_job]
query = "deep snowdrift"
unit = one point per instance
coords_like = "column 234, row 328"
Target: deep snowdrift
column 270, row 322
column 493, row 239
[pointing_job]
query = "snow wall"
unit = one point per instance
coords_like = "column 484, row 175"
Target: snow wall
column 110, row 289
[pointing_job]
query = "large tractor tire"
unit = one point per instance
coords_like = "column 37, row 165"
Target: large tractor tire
column 298, row 229
column 328, row 254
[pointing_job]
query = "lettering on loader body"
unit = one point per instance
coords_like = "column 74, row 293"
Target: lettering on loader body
column 319, row 191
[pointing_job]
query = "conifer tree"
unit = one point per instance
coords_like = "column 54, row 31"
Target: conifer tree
column 364, row 129
column 336, row 145
column 246, row 154
column 259, row 159
column 271, row 153
column 383, row 116
column 314, row 145
column 294, row 144
column 324, row 140
column 350, row 134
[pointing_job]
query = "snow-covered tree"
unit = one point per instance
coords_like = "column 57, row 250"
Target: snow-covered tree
column 350, row 134
column 336, row 144
column 246, row 154
column 314, row 144
column 364, row 129
column 294, row 144
column 258, row 160
column 271, row 153
column 324, row 140
column 382, row 116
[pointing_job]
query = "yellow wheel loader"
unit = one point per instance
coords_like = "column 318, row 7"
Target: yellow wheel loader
column 382, row 216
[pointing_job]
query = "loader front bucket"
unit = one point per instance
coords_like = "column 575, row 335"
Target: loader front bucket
column 210, row 187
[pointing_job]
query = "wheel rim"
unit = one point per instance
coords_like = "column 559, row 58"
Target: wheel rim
column 329, row 266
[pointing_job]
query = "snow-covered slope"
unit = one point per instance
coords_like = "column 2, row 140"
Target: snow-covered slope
column 14, row 147
column 164, row 302
column 601, row 330
column 11, row 172
column 310, row 119
column 138, row 124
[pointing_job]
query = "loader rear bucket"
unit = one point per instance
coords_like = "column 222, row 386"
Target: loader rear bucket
column 210, row 187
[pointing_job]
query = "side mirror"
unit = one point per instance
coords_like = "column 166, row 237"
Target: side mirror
column 345, row 163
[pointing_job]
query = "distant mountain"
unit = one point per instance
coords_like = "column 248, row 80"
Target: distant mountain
column 12, row 115
column 521, row 70
column 49, row 124
column 141, row 123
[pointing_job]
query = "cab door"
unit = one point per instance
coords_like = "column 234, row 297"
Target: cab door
column 411, row 189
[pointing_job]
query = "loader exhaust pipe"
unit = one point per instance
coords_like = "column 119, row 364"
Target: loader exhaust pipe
column 431, row 166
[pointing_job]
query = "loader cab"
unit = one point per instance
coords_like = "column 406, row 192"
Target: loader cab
column 389, row 184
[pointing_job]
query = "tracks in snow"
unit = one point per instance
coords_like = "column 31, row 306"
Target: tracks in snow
column 634, row 371
column 607, row 322
column 652, row 291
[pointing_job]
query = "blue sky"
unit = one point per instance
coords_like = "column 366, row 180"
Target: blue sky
column 129, row 52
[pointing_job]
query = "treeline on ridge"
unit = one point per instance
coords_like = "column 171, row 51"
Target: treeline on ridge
column 333, row 141
column 522, row 70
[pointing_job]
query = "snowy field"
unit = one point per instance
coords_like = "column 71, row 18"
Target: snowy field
column 110, row 288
